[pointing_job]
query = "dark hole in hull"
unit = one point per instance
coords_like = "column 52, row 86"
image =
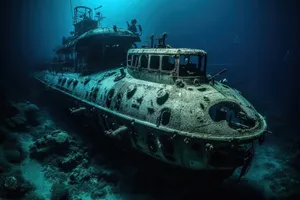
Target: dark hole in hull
column 109, row 97
column 165, row 116
column 151, row 144
column 167, row 148
column 118, row 102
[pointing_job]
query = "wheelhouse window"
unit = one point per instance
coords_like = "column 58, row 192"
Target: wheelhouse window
column 192, row 65
column 144, row 61
column 168, row 63
column 135, row 60
column 129, row 57
column 154, row 62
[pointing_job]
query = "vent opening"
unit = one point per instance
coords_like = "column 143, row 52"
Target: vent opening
column 167, row 148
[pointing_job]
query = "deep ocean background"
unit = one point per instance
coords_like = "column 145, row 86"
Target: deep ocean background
column 257, row 41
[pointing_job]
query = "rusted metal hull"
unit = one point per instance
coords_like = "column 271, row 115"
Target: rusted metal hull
column 111, row 99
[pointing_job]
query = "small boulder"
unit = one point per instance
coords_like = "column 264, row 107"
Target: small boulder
column 31, row 111
column 61, row 138
column 10, row 183
column 31, row 108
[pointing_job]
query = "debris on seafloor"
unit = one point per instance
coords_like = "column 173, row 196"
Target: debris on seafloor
column 65, row 160
column 73, row 172
column 14, row 117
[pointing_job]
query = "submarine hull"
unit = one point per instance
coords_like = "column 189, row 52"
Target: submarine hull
column 102, row 99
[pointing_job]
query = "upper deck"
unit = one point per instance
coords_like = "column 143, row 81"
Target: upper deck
column 110, row 35
column 88, row 31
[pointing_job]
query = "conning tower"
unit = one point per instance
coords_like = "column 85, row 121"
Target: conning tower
column 161, row 63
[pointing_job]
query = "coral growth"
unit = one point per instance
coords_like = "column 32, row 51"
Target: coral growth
column 13, row 185
column 57, row 142
column 63, row 150
column 68, row 159
column 14, row 117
